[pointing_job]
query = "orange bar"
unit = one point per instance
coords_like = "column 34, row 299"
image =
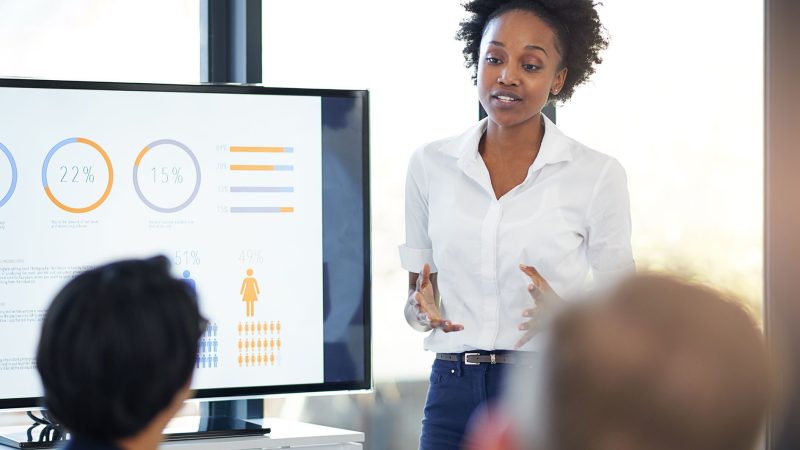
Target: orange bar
column 258, row 150
column 287, row 209
column 251, row 167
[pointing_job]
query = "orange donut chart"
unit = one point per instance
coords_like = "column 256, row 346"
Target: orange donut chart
column 93, row 206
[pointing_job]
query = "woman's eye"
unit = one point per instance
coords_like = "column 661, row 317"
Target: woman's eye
column 530, row 67
column 492, row 60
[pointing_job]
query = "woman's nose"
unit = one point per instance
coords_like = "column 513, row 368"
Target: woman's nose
column 508, row 76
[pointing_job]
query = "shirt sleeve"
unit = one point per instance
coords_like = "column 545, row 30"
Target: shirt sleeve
column 418, row 249
column 609, row 227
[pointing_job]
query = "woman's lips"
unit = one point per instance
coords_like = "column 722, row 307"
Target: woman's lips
column 505, row 100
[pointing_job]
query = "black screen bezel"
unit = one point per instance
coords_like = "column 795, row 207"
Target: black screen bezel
column 222, row 88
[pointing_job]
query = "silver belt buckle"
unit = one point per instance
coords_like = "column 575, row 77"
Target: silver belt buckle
column 466, row 360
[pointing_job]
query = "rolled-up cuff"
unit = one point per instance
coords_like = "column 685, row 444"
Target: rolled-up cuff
column 412, row 259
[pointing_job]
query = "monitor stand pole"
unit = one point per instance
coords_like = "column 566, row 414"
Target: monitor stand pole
column 50, row 435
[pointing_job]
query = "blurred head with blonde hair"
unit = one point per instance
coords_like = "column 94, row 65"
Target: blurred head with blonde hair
column 658, row 364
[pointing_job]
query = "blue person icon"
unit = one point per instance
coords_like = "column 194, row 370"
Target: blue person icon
column 188, row 280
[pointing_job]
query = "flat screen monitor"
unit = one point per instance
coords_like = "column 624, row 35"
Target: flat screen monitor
column 259, row 196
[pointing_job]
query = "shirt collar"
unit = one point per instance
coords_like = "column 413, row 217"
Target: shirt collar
column 555, row 146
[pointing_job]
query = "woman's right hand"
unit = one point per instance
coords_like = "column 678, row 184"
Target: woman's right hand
column 425, row 298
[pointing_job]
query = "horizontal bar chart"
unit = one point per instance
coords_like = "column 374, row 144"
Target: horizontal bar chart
column 261, row 167
column 261, row 189
column 257, row 183
column 243, row 149
column 261, row 209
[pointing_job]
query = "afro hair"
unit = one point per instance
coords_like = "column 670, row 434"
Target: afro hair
column 580, row 37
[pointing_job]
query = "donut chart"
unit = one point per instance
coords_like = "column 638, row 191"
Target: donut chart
column 167, row 182
column 13, row 185
column 86, row 172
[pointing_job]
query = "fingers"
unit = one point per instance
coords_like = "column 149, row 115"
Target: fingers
column 525, row 326
column 530, row 271
column 426, row 273
column 424, row 302
column 535, row 293
column 524, row 339
column 536, row 278
column 428, row 307
column 450, row 327
column 447, row 326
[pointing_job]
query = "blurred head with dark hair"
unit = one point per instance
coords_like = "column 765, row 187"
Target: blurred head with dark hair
column 117, row 350
column 660, row 364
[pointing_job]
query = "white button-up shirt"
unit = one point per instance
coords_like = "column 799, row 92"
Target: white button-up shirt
column 570, row 219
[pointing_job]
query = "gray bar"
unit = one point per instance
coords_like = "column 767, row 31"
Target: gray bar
column 261, row 189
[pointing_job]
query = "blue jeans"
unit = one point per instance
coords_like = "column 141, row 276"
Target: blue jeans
column 456, row 390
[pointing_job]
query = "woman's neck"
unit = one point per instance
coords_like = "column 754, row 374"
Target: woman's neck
column 518, row 141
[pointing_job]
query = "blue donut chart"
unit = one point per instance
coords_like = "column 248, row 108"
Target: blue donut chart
column 13, row 186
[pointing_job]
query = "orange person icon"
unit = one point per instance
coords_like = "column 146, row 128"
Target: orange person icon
column 272, row 344
column 272, row 358
column 249, row 292
column 240, row 360
column 246, row 328
column 258, row 343
column 247, row 360
column 246, row 344
column 259, row 327
column 271, row 327
column 279, row 327
column 259, row 359
column 240, row 345
column 240, row 328
column 278, row 343
column 253, row 344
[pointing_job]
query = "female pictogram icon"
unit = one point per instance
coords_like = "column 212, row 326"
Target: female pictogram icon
column 249, row 292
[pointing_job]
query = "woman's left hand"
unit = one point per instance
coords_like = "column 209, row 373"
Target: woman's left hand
column 544, row 298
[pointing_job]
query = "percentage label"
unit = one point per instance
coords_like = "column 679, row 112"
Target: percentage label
column 187, row 258
column 251, row 256
column 165, row 175
column 75, row 174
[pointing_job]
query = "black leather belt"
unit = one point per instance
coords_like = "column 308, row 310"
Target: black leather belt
column 475, row 359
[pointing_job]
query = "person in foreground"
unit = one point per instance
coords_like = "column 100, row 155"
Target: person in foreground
column 660, row 365
column 116, row 354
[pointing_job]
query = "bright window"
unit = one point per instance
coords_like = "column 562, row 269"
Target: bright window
column 679, row 101
column 102, row 40
column 407, row 56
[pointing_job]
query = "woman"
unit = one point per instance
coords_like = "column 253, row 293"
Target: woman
column 512, row 213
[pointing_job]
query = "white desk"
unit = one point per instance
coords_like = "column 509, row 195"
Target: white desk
column 285, row 434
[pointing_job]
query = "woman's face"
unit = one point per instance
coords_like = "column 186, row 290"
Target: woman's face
column 519, row 67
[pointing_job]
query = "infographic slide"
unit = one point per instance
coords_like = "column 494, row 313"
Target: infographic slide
column 228, row 186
